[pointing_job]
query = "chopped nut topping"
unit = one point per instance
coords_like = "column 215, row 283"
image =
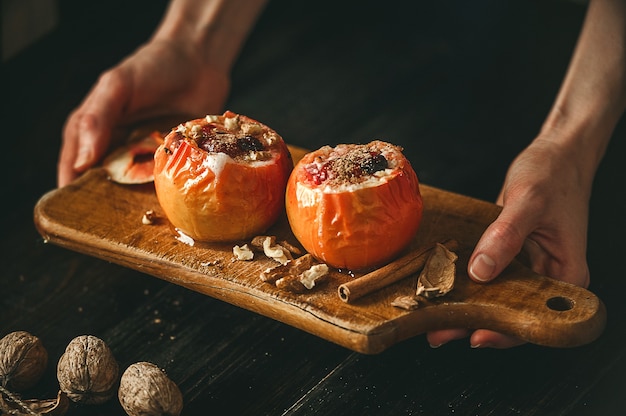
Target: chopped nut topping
column 243, row 139
column 252, row 129
column 353, row 164
column 231, row 123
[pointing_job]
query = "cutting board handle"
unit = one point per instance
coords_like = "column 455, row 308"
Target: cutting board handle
column 534, row 308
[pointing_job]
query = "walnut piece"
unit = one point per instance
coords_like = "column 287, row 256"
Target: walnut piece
column 276, row 251
column 281, row 252
column 297, row 275
column 87, row 371
column 23, row 360
column 290, row 247
column 146, row 390
column 316, row 272
column 243, row 253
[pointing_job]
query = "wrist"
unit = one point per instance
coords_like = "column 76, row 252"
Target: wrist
column 580, row 143
column 584, row 133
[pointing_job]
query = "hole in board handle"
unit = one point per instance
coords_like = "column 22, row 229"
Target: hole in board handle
column 560, row 304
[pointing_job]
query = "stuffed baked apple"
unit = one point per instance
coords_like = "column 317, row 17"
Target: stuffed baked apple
column 354, row 206
column 222, row 177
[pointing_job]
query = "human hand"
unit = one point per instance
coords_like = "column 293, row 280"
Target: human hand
column 545, row 200
column 162, row 78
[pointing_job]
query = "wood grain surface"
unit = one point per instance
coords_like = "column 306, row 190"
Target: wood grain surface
column 462, row 86
column 105, row 222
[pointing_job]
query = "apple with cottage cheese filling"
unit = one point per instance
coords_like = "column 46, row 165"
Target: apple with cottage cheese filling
column 222, row 177
column 354, row 206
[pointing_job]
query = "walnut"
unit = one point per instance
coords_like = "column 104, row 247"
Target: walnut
column 87, row 371
column 23, row 360
column 146, row 390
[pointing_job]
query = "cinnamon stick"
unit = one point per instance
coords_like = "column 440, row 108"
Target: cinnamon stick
column 397, row 270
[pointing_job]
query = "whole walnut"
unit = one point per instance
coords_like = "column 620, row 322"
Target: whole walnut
column 87, row 371
column 145, row 390
column 23, row 360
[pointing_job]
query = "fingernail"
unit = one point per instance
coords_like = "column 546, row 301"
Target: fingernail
column 435, row 346
column 481, row 346
column 82, row 158
column 482, row 268
column 85, row 149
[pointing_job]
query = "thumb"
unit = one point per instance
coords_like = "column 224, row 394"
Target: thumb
column 499, row 244
column 100, row 113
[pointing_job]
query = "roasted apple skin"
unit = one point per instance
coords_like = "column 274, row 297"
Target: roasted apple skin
column 213, row 197
column 360, row 227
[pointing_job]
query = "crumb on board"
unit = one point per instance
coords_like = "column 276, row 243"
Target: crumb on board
column 149, row 217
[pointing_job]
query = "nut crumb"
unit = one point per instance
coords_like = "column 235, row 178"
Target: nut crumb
column 148, row 218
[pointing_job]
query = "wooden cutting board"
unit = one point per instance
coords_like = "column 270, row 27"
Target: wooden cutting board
column 100, row 218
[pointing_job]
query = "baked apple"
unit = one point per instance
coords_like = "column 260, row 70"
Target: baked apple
column 354, row 206
column 222, row 177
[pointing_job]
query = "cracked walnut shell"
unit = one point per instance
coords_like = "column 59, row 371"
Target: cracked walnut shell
column 146, row 390
column 87, row 371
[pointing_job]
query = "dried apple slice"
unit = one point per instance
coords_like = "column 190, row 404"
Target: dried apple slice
column 133, row 163
column 354, row 206
column 437, row 277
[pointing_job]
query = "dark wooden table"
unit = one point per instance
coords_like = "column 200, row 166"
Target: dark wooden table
column 463, row 86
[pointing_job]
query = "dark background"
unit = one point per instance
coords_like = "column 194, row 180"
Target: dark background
column 462, row 86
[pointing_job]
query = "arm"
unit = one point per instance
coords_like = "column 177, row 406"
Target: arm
column 545, row 196
column 183, row 69
column 217, row 28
